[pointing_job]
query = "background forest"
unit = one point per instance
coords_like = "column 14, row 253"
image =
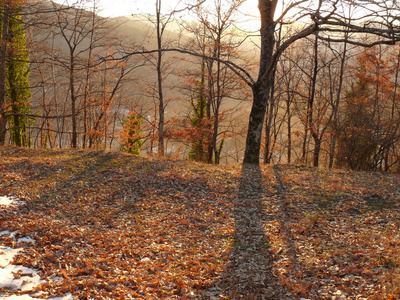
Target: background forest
column 74, row 79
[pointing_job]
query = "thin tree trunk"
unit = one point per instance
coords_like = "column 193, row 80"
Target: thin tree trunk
column 309, row 113
column 73, row 102
column 59, row 121
column 267, row 134
column 202, row 108
column 313, row 130
column 161, row 108
column 217, row 106
column 215, row 135
column 86, row 95
column 304, row 148
column 209, row 102
column 289, row 130
column 336, row 108
column 268, row 122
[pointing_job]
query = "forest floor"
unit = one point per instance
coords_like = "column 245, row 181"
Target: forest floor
column 104, row 225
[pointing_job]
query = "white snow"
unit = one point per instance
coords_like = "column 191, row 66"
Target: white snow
column 9, row 201
column 6, row 232
column 7, row 255
column 26, row 240
column 6, row 200
column 28, row 297
column 27, row 278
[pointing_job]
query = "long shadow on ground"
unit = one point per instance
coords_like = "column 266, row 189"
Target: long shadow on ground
column 249, row 274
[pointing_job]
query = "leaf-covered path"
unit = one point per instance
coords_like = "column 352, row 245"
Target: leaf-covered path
column 116, row 226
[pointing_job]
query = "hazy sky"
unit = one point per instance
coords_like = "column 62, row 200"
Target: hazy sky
column 112, row 8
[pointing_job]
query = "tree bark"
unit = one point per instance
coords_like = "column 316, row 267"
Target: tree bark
column 268, row 119
column 262, row 88
column 336, row 108
column 289, row 131
column 310, row 124
column 257, row 115
column 74, row 138
column 269, row 116
column 161, row 108
column 210, row 83
column 317, row 149
column 3, row 57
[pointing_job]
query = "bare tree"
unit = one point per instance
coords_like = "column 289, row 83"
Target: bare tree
column 75, row 42
column 161, row 65
column 76, row 28
column 378, row 18
column 328, row 19
column 217, row 37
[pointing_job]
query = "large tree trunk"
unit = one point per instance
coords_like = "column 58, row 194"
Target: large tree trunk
column 257, row 115
column 3, row 56
column 262, row 89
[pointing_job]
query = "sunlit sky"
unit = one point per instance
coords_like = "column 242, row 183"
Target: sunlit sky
column 112, row 8
column 115, row 8
column 248, row 12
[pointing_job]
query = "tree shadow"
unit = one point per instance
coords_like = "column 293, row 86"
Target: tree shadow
column 249, row 274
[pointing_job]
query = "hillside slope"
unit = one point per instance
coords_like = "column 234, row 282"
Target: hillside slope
column 114, row 226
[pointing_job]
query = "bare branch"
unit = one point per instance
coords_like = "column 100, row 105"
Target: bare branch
column 248, row 79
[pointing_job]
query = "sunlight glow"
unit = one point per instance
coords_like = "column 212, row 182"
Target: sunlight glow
column 247, row 18
column 114, row 8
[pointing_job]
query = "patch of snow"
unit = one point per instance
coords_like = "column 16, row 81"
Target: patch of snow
column 66, row 297
column 28, row 297
column 7, row 201
column 11, row 234
column 26, row 240
column 27, row 278
column 20, row 240
column 7, row 255
column 21, row 297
